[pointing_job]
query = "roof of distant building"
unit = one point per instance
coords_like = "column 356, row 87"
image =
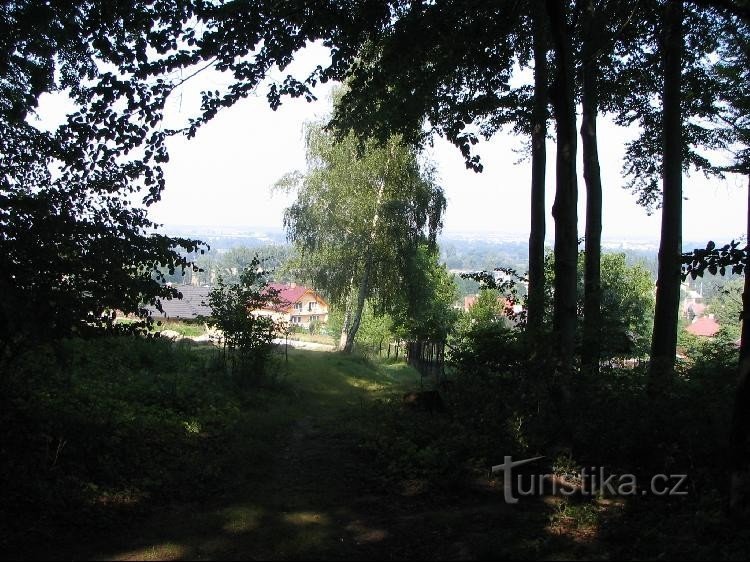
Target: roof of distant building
column 288, row 294
column 190, row 306
column 704, row 326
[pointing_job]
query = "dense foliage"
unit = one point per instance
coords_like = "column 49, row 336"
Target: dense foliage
column 75, row 246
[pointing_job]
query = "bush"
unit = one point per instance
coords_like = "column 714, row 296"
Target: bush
column 248, row 337
column 504, row 400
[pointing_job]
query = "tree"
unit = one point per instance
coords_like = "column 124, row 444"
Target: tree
column 426, row 312
column 75, row 249
column 734, row 119
column 565, row 208
column 726, row 305
column 668, row 90
column 664, row 344
column 539, row 118
column 489, row 308
column 627, row 308
column 458, row 83
column 247, row 337
column 359, row 219
column 627, row 305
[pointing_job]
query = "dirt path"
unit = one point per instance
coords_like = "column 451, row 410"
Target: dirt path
column 309, row 345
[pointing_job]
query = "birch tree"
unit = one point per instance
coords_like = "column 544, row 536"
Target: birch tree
column 360, row 215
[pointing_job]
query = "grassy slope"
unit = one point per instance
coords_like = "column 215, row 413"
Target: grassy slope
column 301, row 487
column 284, row 508
column 321, row 499
column 316, row 495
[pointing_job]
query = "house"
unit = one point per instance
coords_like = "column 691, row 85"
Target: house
column 508, row 306
column 693, row 304
column 705, row 326
column 469, row 301
column 189, row 307
column 296, row 306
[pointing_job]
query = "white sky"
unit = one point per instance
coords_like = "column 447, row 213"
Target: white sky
column 223, row 176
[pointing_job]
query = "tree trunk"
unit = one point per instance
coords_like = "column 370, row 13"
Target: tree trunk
column 538, row 170
column 664, row 340
column 347, row 316
column 591, row 351
column 345, row 327
column 564, row 210
column 739, row 438
column 364, row 284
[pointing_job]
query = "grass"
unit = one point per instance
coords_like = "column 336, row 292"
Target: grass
column 282, row 508
column 314, row 338
column 176, row 462
column 332, row 383
column 187, row 329
column 143, row 425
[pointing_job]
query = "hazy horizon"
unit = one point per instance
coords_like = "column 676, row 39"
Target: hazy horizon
column 225, row 174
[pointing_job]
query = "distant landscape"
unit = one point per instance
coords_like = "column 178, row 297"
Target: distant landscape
column 459, row 251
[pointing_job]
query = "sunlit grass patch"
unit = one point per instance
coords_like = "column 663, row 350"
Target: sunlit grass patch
column 184, row 328
column 164, row 551
column 242, row 519
column 302, row 518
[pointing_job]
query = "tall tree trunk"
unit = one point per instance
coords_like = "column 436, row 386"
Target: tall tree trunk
column 347, row 316
column 359, row 306
column 591, row 351
column 364, row 283
column 538, row 169
column 739, row 438
column 565, row 208
column 664, row 340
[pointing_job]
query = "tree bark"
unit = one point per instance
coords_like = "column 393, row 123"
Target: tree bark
column 591, row 351
column 664, row 340
column 564, row 210
column 739, row 437
column 538, row 169
column 347, row 318
column 364, row 284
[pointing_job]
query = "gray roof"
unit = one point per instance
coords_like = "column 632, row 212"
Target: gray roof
column 188, row 307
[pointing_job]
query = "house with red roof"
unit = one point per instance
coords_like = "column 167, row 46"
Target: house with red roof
column 705, row 326
column 296, row 305
column 509, row 307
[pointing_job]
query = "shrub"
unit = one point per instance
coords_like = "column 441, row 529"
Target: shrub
column 248, row 337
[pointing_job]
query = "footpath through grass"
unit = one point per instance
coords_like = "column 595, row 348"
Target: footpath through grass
column 301, row 503
column 322, row 493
